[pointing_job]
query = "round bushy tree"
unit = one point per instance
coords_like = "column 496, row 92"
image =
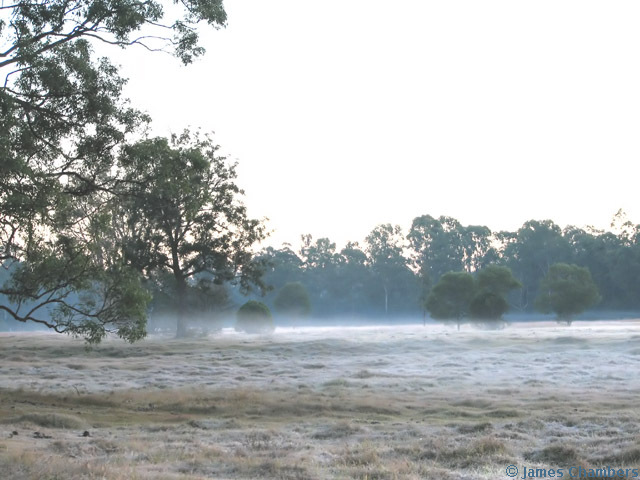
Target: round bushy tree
column 489, row 306
column 293, row 300
column 493, row 283
column 450, row 297
column 497, row 279
column 567, row 290
column 254, row 317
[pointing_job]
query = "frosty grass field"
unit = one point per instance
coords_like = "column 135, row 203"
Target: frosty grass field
column 402, row 402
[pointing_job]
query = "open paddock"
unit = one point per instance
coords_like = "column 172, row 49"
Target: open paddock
column 402, row 402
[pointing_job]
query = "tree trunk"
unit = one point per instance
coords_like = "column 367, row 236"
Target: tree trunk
column 181, row 290
column 386, row 300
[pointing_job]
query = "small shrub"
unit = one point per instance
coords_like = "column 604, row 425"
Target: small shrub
column 254, row 317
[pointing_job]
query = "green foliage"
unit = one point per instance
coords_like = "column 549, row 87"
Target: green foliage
column 388, row 265
column 254, row 317
column 183, row 215
column 281, row 265
column 208, row 297
column 437, row 244
column 451, row 297
column 36, row 28
column 487, row 305
column 404, row 270
column 531, row 251
column 77, row 285
column 319, row 255
column 443, row 245
column 458, row 295
column 350, row 281
column 497, row 279
column 567, row 290
column 493, row 283
column 293, row 300
column 62, row 122
column 319, row 268
column 353, row 281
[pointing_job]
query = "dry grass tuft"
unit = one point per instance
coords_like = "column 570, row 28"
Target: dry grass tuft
column 337, row 430
column 630, row 456
column 486, row 446
column 50, row 420
column 555, row 454
column 364, row 461
column 475, row 428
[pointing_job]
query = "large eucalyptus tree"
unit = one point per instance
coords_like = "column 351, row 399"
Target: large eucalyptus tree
column 183, row 214
column 62, row 119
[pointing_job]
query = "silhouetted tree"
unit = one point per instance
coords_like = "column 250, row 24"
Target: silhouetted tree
column 354, row 281
column 493, row 283
column 62, row 119
column 282, row 266
column 438, row 246
column 567, row 290
column 451, row 297
column 185, row 209
column 320, row 264
column 537, row 245
column 254, row 317
column 387, row 263
column 293, row 300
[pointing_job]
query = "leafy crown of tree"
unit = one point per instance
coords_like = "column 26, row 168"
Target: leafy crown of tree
column 62, row 121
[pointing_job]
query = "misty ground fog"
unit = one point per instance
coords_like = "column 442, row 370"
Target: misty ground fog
column 323, row 402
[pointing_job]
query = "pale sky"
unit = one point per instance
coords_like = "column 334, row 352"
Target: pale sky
column 347, row 114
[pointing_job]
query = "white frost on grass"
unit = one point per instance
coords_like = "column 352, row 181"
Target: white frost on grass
column 326, row 402
column 531, row 357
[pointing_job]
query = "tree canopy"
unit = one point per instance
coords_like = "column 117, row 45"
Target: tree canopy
column 497, row 279
column 507, row 267
column 481, row 298
column 181, row 213
column 493, row 284
column 254, row 317
column 389, row 267
column 451, row 297
column 63, row 120
column 567, row 290
column 293, row 300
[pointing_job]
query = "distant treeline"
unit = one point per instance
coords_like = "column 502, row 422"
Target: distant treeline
column 392, row 273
